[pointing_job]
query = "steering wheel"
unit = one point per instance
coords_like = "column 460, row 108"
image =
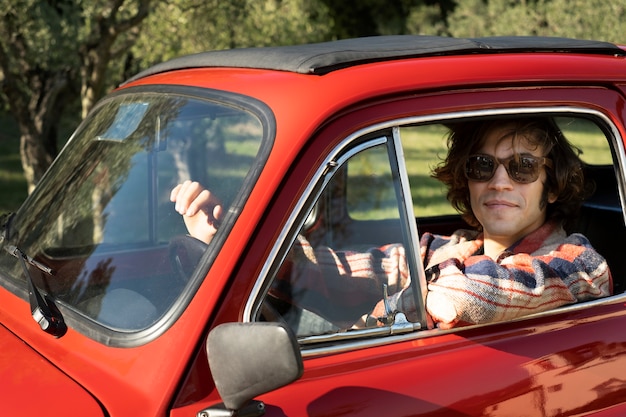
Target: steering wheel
column 185, row 252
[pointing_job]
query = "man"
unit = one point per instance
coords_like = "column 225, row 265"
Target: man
column 518, row 182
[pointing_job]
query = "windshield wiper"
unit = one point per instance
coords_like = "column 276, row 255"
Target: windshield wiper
column 43, row 311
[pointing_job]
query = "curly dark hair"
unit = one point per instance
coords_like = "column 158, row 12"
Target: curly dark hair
column 565, row 179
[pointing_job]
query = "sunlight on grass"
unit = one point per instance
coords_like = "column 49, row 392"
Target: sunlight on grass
column 424, row 148
column 587, row 136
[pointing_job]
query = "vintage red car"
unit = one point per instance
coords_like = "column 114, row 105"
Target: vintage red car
column 334, row 142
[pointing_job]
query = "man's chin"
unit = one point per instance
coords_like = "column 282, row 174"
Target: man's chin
column 504, row 230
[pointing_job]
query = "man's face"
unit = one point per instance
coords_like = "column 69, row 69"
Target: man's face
column 508, row 210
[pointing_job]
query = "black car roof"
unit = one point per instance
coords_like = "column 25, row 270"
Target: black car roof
column 321, row 58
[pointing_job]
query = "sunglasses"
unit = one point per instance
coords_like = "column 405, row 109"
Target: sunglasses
column 522, row 169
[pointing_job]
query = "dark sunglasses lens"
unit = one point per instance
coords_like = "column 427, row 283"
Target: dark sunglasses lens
column 524, row 170
column 480, row 168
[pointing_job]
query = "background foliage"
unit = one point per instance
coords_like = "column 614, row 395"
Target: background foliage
column 58, row 57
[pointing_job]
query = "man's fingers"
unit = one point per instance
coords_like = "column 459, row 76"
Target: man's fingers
column 174, row 193
column 191, row 197
column 217, row 213
column 185, row 196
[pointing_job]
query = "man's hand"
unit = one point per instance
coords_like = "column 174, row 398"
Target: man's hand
column 201, row 209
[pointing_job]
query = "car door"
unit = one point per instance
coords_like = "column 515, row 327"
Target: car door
column 366, row 200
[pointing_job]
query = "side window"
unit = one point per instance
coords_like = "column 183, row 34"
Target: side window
column 351, row 251
column 586, row 135
column 424, row 147
column 359, row 246
column 369, row 195
column 601, row 217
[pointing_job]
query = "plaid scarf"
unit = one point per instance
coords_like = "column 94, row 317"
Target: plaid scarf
column 544, row 270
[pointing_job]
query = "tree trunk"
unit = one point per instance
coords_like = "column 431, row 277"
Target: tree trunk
column 35, row 157
column 38, row 121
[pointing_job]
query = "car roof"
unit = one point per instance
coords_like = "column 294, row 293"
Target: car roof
column 325, row 57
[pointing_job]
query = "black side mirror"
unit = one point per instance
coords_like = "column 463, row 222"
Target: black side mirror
column 250, row 359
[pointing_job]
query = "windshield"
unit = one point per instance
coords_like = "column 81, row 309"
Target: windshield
column 102, row 219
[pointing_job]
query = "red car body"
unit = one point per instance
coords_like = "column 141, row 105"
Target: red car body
column 565, row 362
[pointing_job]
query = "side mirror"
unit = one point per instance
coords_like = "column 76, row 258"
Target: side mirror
column 250, row 359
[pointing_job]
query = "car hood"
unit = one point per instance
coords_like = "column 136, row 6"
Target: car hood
column 29, row 381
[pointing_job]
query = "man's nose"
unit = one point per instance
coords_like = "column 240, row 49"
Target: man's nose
column 501, row 179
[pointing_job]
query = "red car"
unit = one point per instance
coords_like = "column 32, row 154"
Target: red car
column 333, row 142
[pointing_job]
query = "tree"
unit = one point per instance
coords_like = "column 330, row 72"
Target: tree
column 53, row 51
column 189, row 26
column 111, row 32
column 356, row 18
column 430, row 17
column 582, row 19
column 60, row 53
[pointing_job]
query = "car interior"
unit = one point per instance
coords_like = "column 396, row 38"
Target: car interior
column 601, row 220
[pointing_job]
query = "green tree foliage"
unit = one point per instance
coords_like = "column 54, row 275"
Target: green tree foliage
column 60, row 53
column 109, row 29
column 430, row 18
column 52, row 52
column 188, row 26
column 582, row 19
column 356, row 18
column 36, row 69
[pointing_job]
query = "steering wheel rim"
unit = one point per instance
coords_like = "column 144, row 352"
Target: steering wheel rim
column 185, row 252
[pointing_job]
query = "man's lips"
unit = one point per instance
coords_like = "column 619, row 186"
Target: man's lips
column 499, row 204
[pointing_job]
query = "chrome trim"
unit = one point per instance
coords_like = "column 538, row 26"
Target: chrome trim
column 326, row 170
column 413, row 254
column 353, row 343
column 618, row 147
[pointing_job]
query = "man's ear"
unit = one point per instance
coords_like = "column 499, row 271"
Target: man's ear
column 552, row 197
